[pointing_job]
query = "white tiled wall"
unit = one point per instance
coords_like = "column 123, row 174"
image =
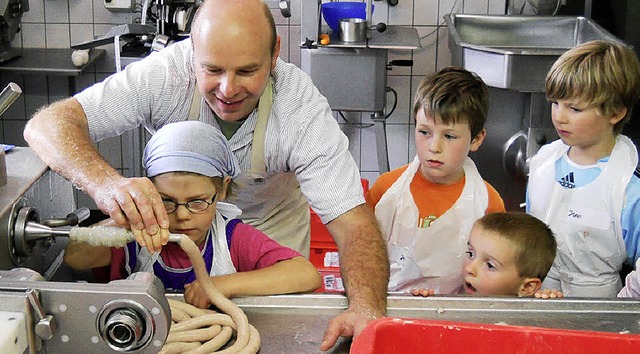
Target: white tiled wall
column 60, row 23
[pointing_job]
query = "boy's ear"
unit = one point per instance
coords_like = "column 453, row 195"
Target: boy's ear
column 617, row 116
column 477, row 140
column 529, row 287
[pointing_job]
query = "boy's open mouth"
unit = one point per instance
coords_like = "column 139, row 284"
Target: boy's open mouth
column 468, row 288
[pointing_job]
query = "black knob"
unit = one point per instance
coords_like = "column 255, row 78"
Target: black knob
column 381, row 27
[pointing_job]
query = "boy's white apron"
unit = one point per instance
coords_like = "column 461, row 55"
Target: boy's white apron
column 432, row 257
column 585, row 220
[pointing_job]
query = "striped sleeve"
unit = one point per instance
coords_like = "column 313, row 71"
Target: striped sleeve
column 306, row 139
column 150, row 92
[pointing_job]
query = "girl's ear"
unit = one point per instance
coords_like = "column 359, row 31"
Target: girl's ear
column 226, row 182
column 529, row 287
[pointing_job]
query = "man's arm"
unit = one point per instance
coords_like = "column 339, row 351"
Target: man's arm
column 365, row 270
column 59, row 134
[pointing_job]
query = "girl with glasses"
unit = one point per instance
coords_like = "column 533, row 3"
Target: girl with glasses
column 192, row 167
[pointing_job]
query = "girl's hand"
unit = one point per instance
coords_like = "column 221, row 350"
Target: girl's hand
column 548, row 294
column 423, row 292
column 195, row 295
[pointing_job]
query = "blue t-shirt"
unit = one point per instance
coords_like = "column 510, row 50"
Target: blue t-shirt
column 572, row 175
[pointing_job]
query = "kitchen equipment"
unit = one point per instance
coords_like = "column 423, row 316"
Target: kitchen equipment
column 31, row 183
column 172, row 19
column 26, row 231
column 10, row 17
column 333, row 66
column 7, row 97
column 516, row 52
column 353, row 29
column 126, row 316
column 333, row 12
column 3, row 168
column 42, row 308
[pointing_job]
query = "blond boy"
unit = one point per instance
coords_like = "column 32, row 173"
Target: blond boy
column 585, row 185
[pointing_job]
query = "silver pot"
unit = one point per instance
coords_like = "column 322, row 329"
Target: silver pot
column 353, row 30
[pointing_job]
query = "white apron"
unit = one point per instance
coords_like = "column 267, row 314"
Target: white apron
column 585, row 221
column 270, row 201
column 430, row 257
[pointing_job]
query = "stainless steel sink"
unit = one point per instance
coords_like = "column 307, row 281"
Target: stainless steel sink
column 516, row 52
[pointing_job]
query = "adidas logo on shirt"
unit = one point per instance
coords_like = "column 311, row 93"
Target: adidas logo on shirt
column 567, row 181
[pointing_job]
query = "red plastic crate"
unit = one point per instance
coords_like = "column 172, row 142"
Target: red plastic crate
column 331, row 281
column 319, row 232
column 324, row 255
column 405, row 335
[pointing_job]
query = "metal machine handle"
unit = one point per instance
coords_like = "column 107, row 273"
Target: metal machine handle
column 285, row 8
column 72, row 219
column 46, row 325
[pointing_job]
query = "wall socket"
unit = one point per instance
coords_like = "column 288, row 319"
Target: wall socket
column 119, row 5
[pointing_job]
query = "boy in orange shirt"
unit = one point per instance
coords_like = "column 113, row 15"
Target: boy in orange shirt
column 426, row 208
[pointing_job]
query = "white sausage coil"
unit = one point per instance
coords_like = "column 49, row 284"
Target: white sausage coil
column 195, row 330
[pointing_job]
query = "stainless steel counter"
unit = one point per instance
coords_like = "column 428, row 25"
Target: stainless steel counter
column 296, row 323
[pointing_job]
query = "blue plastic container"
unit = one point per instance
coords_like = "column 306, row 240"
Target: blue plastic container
column 333, row 12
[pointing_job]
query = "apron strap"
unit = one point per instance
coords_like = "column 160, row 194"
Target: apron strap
column 264, row 109
column 196, row 102
column 257, row 147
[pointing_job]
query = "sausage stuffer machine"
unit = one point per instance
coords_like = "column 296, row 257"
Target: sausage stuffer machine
column 43, row 310
column 333, row 67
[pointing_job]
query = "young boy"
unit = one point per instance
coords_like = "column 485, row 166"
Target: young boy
column 508, row 254
column 426, row 209
column 585, row 185
column 192, row 166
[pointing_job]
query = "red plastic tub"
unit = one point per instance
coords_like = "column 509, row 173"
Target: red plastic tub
column 321, row 240
column 404, row 335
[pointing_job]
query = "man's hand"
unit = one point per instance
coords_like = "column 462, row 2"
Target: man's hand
column 349, row 323
column 364, row 265
column 135, row 203
column 132, row 202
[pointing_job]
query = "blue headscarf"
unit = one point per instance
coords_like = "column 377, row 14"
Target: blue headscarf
column 189, row 146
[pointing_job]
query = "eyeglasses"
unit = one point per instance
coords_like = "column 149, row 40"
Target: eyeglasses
column 195, row 206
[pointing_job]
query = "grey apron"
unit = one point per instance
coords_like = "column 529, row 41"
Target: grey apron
column 270, row 201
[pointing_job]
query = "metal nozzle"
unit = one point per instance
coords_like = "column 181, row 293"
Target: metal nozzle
column 35, row 231
column 8, row 96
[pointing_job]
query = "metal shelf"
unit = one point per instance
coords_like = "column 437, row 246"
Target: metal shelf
column 50, row 62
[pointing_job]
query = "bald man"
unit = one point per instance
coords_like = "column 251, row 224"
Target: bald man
column 280, row 128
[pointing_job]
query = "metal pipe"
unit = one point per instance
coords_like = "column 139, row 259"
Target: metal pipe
column 8, row 96
column 369, row 15
column 588, row 7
